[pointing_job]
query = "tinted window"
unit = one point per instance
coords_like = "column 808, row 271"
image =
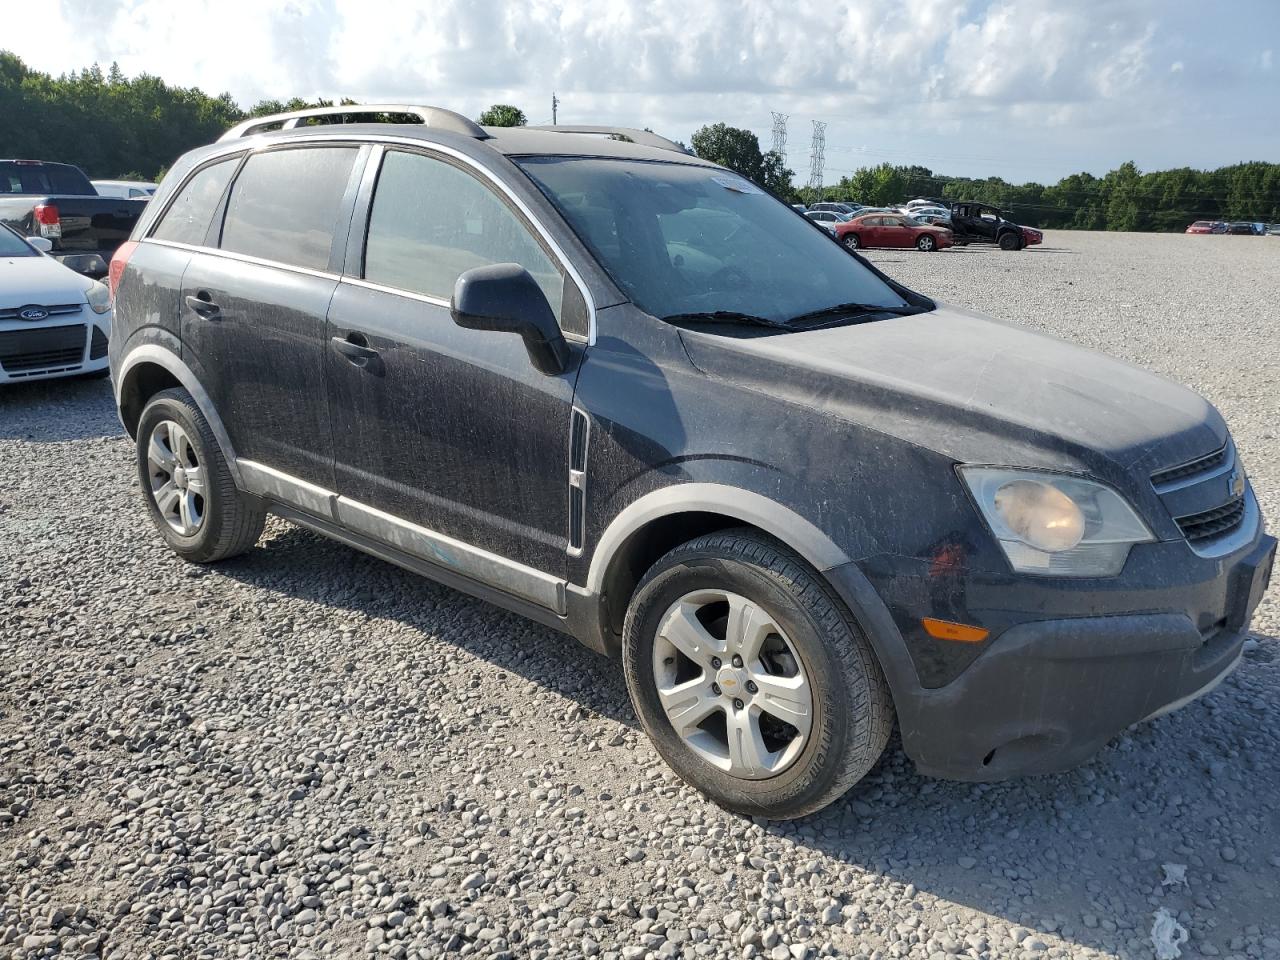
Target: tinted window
column 187, row 219
column 55, row 179
column 431, row 222
column 284, row 205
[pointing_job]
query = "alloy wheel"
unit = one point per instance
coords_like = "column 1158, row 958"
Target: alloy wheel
column 731, row 684
column 177, row 478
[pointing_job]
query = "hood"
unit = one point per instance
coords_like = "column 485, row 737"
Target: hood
column 976, row 390
column 39, row 280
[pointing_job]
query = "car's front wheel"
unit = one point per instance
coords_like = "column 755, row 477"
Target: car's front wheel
column 751, row 678
column 851, row 241
column 190, row 493
column 926, row 243
column 1010, row 241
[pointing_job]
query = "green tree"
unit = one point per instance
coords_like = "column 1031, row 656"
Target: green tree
column 503, row 115
column 739, row 150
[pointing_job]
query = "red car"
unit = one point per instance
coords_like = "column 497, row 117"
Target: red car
column 1207, row 226
column 891, row 230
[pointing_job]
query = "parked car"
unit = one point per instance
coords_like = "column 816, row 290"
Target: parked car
column 827, row 218
column 1240, row 229
column 928, row 202
column 1273, row 230
column 54, row 322
column 929, row 219
column 124, row 189
column 625, row 392
column 892, row 230
column 849, row 209
column 56, row 201
column 1207, row 226
column 799, row 207
column 974, row 222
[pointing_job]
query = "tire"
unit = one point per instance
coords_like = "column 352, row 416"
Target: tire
column 204, row 526
column 850, row 710
column 926, row 243
column 1010, row 241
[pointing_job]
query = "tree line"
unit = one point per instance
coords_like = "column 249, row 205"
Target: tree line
column 115, row 126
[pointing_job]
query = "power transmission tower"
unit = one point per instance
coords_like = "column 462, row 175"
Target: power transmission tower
column 780, row 135
column 817, row 156
column 555, row 104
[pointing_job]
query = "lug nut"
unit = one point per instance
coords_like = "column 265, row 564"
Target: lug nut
column 737, row 660
column 715, row 688
column 738, row 704
column 715, row 663
column 751, row 687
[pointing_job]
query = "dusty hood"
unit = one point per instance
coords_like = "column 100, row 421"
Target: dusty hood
column 975, row 389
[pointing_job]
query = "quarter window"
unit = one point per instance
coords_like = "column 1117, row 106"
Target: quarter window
column 431, row 221
column 187, row 219
column 284, row 205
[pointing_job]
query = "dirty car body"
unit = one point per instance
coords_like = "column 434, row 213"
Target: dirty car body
column 874, row 444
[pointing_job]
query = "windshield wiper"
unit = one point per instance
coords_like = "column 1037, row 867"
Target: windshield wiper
column 841, row 311
column 728, row 316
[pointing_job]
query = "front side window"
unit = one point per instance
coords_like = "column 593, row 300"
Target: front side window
column 681, row 239
column 431, row 222
column 284, row 205
column 187, row 219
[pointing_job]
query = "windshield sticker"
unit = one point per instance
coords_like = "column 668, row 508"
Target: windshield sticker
column 737, row 185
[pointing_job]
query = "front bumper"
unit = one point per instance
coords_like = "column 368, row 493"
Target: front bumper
column 1047, row 693
column 63, row 345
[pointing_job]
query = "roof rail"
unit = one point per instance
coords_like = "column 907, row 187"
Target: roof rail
column 644, row 137
column 435, row 117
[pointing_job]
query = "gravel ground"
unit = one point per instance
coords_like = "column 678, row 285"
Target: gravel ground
column 309, row 753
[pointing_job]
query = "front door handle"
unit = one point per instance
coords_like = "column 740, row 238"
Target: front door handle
column 356, row 348
column 202, row 305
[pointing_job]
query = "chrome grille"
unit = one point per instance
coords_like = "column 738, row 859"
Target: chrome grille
column 1211, row 523
column 55, row 310
column 1205, row 496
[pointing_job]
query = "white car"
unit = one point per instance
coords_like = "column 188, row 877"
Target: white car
column 54, row 322
column 125, row 189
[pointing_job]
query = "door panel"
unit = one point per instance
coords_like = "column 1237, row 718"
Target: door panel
column 257, row 348
column 451, row 429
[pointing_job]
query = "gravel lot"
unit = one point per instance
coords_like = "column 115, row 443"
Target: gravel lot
column 309, row 753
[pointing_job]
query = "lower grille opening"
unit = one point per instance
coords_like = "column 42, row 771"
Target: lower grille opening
column 42, row 349
column 98, row 345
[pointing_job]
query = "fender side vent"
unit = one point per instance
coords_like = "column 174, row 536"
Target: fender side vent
column 579, row 431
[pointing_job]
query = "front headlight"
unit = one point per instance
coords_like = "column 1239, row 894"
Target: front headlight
column 99, row 297
column 1054, row 524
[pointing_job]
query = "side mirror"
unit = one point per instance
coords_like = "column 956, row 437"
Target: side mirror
column 43, row 244
column 503, row 297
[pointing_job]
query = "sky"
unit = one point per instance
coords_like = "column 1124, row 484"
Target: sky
column 1021, row 89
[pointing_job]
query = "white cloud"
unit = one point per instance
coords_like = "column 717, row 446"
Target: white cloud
column 871, row 67
column 1265, row 60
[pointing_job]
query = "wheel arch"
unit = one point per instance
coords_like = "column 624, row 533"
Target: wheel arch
column 666, row 518
column 151, row 367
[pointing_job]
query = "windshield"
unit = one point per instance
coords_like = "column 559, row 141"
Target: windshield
column 682, row 239
column 11, row 245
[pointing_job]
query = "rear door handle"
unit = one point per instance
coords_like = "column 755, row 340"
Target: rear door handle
column 203, row 306
column 356, row 348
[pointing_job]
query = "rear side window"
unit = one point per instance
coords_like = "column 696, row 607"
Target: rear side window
column 187, row 219
column 57, row 179
column 284, row 205
column 431, row 222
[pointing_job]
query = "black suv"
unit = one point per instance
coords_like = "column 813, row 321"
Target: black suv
column 621, row 390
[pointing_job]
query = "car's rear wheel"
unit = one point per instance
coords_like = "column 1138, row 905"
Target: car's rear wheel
column 926, row 243
column 188, row 488
column 1010, row 241
column 751, row 678
column 851, row 241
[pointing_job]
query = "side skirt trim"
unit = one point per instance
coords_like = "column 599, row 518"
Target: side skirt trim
column 423, row 568
column 440, row 553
